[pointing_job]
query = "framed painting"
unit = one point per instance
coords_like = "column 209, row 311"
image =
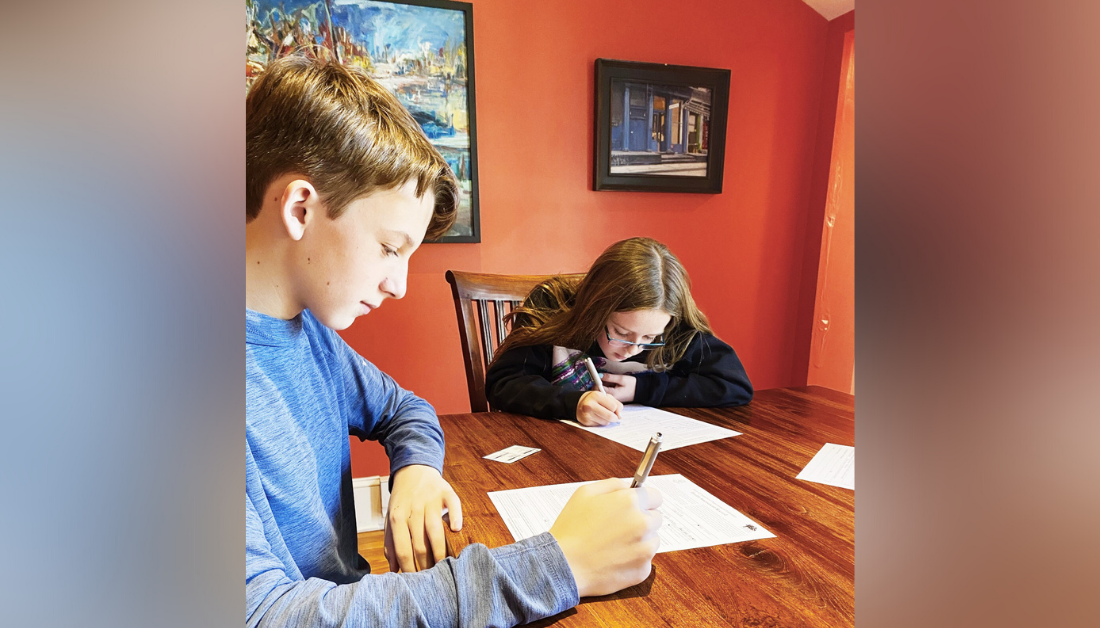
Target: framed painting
column 660, row 128
column 421, row 50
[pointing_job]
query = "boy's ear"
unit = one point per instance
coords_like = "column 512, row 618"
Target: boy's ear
column 299, row 206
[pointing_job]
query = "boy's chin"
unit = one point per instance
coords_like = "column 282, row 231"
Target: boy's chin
column 336, row 321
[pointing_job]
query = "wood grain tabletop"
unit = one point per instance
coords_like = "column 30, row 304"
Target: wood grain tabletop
column 805, row 576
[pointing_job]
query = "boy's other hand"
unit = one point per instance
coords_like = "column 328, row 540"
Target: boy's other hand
column 620, row 387
column 608, row 533
column 414, row 524
column 597, row 408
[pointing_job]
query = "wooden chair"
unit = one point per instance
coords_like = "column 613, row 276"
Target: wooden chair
column 482, row 327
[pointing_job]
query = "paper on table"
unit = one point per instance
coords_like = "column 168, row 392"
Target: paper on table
column 640, row 422
column 511, row 454
column 693, row 517
column 834, row 465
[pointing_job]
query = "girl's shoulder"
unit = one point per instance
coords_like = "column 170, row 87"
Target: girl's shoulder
column 706, row 346
column 706, row 339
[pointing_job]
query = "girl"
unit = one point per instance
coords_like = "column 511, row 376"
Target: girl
column 634, row 316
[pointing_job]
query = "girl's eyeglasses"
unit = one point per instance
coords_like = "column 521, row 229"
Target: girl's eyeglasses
column 627, row 343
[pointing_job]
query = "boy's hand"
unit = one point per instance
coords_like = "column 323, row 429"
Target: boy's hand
column 608, row 533
column 620, row 387
column 597, row 408
column 414, row 523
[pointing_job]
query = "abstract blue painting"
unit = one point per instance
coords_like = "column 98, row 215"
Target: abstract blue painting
column 421, row 50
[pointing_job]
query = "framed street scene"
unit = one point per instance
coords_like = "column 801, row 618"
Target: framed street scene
column 659, row 128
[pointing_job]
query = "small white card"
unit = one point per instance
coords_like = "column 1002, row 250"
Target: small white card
column 834, row 465
column 511, row 454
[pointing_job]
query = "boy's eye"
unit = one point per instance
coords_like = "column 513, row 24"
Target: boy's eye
column 389, row 250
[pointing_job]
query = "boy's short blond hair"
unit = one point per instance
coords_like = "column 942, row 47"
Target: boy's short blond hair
column 343, row 131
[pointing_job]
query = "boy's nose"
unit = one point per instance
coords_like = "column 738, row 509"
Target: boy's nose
column 395, row 285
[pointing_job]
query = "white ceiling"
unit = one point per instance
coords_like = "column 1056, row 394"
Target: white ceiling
column 830, row 9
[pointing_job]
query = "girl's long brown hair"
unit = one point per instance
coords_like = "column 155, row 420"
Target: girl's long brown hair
column 634, row 274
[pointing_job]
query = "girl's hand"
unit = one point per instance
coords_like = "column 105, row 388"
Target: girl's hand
column 597, row 408
column 414, row 537
column 620, row 387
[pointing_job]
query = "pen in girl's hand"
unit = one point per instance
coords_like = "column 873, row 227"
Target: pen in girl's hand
column 595, row 375
column 598, row 382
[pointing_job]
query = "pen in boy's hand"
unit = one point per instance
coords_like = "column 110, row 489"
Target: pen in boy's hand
column 648, row 458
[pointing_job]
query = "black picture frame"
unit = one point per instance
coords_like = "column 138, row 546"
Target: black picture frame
column 659, row 127
column 425, row 79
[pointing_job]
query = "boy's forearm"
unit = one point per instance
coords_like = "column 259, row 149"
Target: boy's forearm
column 413, row 436
column 505, row 586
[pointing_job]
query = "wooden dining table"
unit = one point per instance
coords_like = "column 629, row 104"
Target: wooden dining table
column 804, row 576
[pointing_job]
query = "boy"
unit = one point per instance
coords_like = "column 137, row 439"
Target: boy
column 342, row 187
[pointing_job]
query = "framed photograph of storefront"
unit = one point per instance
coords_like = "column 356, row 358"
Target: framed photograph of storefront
column 660, row 128
column 421, row 50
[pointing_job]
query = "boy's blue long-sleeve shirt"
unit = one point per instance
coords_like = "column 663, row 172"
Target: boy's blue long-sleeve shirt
column 306, row 391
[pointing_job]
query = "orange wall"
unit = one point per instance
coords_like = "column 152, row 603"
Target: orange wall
column 744, row 248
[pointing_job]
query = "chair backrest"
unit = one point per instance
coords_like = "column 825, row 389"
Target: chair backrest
column 482, row 326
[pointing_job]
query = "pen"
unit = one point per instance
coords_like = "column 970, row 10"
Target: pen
column 648, row 458
column 595, row 375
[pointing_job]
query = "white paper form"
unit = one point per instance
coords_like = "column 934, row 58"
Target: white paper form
column 693, row 517
column 641, row 422
column 834, row 465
